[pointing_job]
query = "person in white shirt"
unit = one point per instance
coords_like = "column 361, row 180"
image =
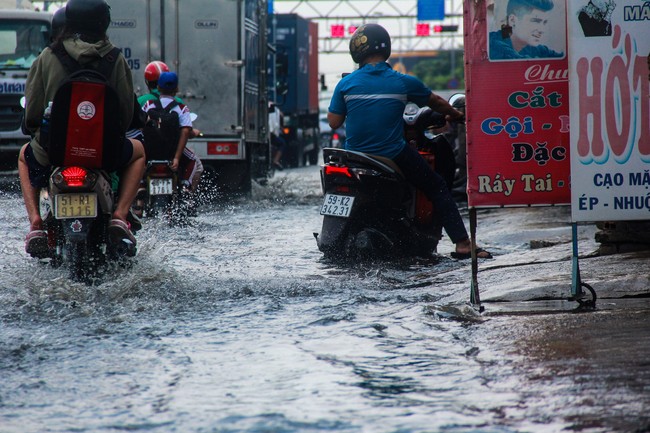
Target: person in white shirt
column 184, row 160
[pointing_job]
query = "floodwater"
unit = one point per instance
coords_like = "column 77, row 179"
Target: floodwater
column 237, row 324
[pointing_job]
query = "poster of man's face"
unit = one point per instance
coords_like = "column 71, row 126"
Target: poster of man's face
column 526, row 29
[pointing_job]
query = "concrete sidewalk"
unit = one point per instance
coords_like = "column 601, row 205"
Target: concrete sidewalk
column 532, row 262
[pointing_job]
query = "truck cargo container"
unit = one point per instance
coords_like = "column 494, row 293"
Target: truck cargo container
column 295, row 40
column 218, row 49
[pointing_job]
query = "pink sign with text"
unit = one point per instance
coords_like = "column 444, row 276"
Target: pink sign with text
column 518, row 151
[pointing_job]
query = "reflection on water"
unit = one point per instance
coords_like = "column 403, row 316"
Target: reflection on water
column 237, row 324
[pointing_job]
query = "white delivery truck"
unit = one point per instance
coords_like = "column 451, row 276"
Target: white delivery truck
column 218, row 49
column 23, row 35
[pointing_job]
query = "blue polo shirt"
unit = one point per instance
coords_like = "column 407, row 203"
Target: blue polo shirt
column 373, row 99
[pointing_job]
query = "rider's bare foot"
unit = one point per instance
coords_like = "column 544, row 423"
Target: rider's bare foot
column 36, row 224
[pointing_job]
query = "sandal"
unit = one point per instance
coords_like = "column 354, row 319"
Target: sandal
column 120, row 232
column 36, row 244
column 133, row 219
column 468, row 255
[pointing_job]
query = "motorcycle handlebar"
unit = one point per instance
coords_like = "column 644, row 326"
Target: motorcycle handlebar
column 434, row 120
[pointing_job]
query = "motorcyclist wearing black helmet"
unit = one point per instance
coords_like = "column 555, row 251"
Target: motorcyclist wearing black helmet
column 372, row 100
column 58, row 22
column 84, row 38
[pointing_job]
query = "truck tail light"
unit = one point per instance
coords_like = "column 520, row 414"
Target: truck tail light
column 223, row 148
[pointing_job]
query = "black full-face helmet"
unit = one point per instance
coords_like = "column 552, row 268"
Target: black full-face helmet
column 58, row 22
column 88, row 16
column 369, row 39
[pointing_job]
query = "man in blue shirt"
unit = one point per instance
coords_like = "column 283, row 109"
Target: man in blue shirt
column 372, row 99
column 527, row 22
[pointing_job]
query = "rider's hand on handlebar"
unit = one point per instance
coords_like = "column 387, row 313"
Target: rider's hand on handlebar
column 457, row 116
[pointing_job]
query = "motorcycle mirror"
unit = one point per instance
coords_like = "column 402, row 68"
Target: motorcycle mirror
column 457, row 100
column 453, row 98
column 412, row 113
column 23, row 128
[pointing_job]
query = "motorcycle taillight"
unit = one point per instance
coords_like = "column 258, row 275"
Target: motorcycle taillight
column 332, row 170
column 74, row 176
column 159, row 170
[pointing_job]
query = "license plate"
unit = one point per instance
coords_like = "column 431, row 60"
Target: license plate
column 161, row 186
column 337, row 205
column 78, row 205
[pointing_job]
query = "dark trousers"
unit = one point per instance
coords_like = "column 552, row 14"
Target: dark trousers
column 418, row 172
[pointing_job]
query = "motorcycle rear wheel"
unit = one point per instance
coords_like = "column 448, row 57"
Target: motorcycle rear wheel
column 158, row 205
column 84, row 263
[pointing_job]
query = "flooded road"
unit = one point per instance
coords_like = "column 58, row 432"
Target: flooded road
column 237, row 324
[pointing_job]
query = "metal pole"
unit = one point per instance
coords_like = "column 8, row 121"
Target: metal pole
column 576, row 287
column 474, row 297
column 163, row 36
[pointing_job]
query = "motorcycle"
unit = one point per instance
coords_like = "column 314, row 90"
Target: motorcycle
column 77, row 208
column 162, row 193
column 370, row 210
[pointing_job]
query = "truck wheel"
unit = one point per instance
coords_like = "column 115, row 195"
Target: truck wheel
column 291, row 156
column 208, row 191
column 231, row 178
column 237, row 180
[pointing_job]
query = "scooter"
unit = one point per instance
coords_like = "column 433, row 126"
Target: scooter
column 162, row 193
column 77, row 208
column 369, row 210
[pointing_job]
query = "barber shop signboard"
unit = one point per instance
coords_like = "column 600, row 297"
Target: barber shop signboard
column 518, row 103
column 609, row 52
column 558, row 105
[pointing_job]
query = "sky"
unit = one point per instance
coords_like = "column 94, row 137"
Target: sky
column 333, row 65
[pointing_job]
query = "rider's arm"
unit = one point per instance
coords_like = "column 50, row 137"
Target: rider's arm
column 337, row 106
column 439, row 104
column 122, row 81
column 35, row 96
column 182, row 141
column 335, row 120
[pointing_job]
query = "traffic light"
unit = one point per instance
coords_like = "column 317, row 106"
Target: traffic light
column 422, row 29
column 337, row 30
column 445, row 28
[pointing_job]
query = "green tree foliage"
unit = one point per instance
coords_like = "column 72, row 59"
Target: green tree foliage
column 439, row 71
